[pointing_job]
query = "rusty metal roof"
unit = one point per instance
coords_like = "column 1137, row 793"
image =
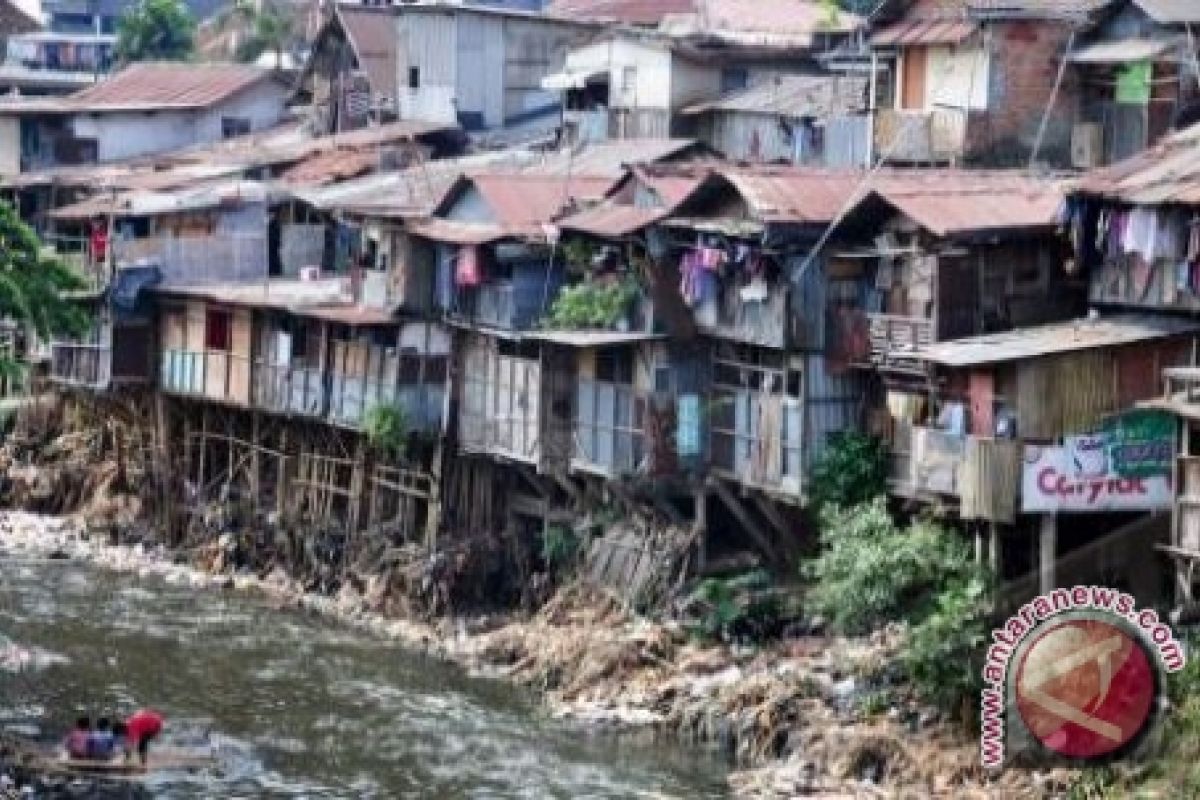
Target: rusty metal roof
column 1059, row 337
column 457, row 232
column 948, row 202
column 372, row 34
column 794, row 96
column 790, row 194
column 330, row 167
column 1167, row 173
column 921, row 32
column 167, row 85
column 518, row 200
column 612, row 220
column 631, row 12
column 610, row 158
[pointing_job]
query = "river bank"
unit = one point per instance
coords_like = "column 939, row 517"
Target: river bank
column 804, row 716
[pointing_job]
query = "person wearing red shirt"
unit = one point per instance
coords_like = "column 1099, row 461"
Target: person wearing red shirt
column 140, row 730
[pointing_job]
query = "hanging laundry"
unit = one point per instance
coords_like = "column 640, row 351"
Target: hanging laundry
column 1141, row 274
column 467, row 271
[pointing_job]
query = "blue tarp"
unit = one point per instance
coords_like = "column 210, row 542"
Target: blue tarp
column 128, row 295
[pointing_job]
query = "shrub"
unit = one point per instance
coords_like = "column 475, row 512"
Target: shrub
column 560, row 546
column 386, row 429
column 871, row 571
column 591, row 305
column 852, row 469
column 941, row 653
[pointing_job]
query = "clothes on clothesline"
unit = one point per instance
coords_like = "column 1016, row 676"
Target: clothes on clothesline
column 466, row 272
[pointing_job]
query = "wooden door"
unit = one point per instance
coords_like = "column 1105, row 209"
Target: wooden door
column 912, row 88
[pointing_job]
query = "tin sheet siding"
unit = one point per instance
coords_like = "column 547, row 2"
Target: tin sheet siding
column 528, row 52
column 479, row 82
column 1067, row 394
column 429, row 43
column 832, row 402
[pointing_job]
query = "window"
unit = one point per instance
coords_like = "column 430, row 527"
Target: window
column 414, row 77
column 614, row 366
column 734, row 78
column 628, row 79
column 234, row 126
column 217, row 330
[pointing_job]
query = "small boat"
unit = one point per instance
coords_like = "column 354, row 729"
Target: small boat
column 120, row 767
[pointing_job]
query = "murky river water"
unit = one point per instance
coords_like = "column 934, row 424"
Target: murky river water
column 296, row 706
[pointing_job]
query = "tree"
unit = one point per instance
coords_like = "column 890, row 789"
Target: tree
column 33, row 285
column 267, row 28
column 156, row 30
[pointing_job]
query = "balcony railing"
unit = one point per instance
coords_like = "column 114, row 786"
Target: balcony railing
column 214, row 374
column 290, row 390
column 898, row 336
column 938, row 135
column 757, row 322
column 491, row 304
column 88, row 365
column 351, row 399
column 194, row 260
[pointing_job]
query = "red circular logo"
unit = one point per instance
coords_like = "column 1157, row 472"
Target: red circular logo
column 1085, row 687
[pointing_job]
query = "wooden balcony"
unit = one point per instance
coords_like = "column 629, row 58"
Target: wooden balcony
column 763, row 323
column 937, row 136
column 981, row 474
column 83, row 365
column 212, row 374
column 896, row 337
column 290, row 390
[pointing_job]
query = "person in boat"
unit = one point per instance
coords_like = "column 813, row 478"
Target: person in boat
column 101, row 744
column 78, row 738
column 140, row 730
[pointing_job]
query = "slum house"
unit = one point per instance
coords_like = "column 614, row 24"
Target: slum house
column 43, row 63
column 352, row 74
column 1034, row 436
column 980, row 83
column 944, row 254
column 288, row 153
column 143, row 109
column 1137, row 76
column 801, row 119
column 633, row 82
column 479, row 67
column 741, row 248
column 1134, row 228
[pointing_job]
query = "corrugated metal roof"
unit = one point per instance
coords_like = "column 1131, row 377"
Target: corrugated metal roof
column 612, row 220
column 1169, row 172
column 794, row 96
column 632, row 12
column 947, row 202
column 788, row 194
column 593, row 338
column 920, row 31
column 1121, row 52
column 1061, row 337
column 336, row 165
column 155, row 203
column 287, row 294
column 456, row 232
column 611, row 158
column 373, row 36
column 521, row 200
column 1170, row 12
column 167, row 85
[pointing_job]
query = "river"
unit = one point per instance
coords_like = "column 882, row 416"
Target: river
column 295, row 706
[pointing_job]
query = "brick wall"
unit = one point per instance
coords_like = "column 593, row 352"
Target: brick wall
column 1024, row 63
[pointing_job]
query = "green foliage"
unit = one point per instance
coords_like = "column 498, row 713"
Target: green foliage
column 736, row 606
column 33, row 285
column 386, row 429
column 560, row 546
column 591, row 305
column 871, row 571
column 578, row 254
column 852, row 470
column 156, row 30
column 942, row 651
column 268, row 28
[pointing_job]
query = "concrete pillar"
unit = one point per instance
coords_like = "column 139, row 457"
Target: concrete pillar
column 1048, row 552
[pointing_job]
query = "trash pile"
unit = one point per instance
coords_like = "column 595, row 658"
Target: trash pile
column 805, row 714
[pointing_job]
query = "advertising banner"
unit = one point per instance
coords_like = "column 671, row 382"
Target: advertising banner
column 1079, row 477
